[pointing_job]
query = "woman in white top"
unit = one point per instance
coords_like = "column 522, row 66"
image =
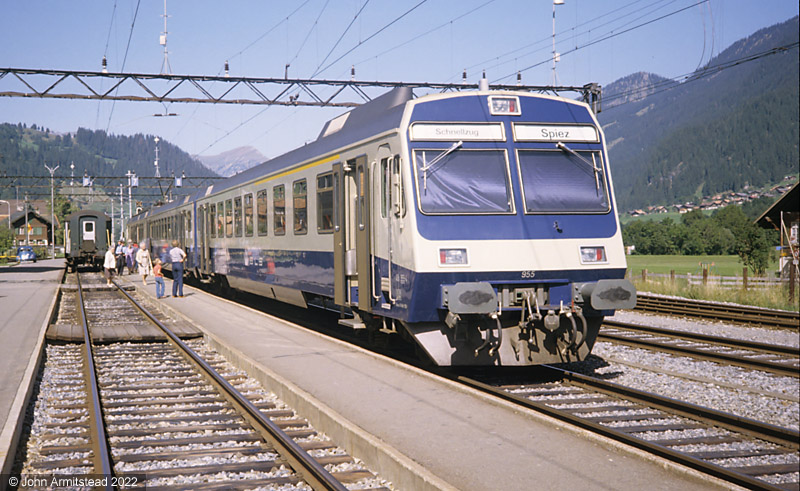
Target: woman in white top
column 145, row 262
column 109, row 265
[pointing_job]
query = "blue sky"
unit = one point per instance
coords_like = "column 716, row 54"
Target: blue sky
column 434, row 42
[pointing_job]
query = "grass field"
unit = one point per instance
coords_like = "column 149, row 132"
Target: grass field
column 720, row 265
column 776, row 297
column 625, row 219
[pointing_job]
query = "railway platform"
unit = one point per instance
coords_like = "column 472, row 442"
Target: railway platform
column 27, row 301
column 412, row 428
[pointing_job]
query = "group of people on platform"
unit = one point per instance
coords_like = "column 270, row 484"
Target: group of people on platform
column 137, row 259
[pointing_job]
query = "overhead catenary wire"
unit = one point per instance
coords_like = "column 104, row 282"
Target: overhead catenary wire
column 363, row 6
column 676, row 82
column 238, row 53
column 308, row 34
column 105, row 55
column 571, row 30
column 429, row 31
column 605, row 38
column 124, row 60
column 361, row 43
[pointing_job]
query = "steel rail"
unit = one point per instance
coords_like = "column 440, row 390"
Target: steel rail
column 747, row 426
column 102, row 453
column 742, row 361
column 311, row 471
column 693, row 336
column 714, row 310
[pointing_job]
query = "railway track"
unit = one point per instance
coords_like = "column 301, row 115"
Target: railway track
column 776, row 359
column 741, row 451
column 172, row 413
column 718, row 311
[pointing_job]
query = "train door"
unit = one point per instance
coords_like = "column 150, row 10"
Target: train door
column 351, row 237
column 382, row 222
column 88, row 234
column 67, row 239
column 202, row 238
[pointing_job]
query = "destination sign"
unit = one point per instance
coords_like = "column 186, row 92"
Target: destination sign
column 555, row 133
column 457, row 132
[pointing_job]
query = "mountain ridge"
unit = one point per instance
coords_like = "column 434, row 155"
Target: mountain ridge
column 233, row 161
column 706, row 134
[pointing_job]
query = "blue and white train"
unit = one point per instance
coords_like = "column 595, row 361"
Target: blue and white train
column 480, row 224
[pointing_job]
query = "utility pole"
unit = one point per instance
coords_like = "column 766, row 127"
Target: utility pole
column 165, row 68
column 52, row 212
column 158, row 174
column 27, row 233
column 555, row 55
column 121, row 213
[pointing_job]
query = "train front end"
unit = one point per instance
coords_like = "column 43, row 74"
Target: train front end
column 514, row 253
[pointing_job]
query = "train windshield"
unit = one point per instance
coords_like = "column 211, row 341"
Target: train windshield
column 458, row 181
column 563, row 181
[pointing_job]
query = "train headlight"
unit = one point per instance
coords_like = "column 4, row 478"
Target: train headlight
column 453, row 257
column 593, row 255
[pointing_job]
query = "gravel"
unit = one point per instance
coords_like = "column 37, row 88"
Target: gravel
column 752, row 394
column 784, row 337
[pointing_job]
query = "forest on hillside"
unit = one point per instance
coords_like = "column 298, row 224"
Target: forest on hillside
column 24, row 151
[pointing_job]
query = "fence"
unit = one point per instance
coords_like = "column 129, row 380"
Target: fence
column 744, row 282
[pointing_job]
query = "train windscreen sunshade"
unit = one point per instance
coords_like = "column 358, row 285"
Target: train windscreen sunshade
column 563, row 182
column 462, row 181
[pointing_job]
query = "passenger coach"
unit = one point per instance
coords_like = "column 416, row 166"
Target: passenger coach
column 87, row 234
column 480, row 224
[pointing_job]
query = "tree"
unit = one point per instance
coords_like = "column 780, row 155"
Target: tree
column 63, row 208
column 753, row 247
column 6, row 239
column 751, row 243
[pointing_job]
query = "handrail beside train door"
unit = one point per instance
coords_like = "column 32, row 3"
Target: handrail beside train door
column 363, row 242
column 340, row 294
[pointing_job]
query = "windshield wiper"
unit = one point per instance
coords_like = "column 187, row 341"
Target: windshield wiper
column 436, row 160
column 582, row 159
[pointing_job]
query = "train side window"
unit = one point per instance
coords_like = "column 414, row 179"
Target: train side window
column 279, row 209
column 385, row 189
column 397, row 194
column 325, row 203
column 300, row 207
column 220, row 219
column 237, row 216
column 213, row 220
column 228, row 218
column 248, row 214
column 361, row 191
column 261, row 212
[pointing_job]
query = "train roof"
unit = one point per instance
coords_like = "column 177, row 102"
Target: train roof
column 382, row 114
column 83, row 213
column 379, row 115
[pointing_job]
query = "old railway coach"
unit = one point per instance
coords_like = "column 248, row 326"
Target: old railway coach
column 480, row 224
column 87, row 234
